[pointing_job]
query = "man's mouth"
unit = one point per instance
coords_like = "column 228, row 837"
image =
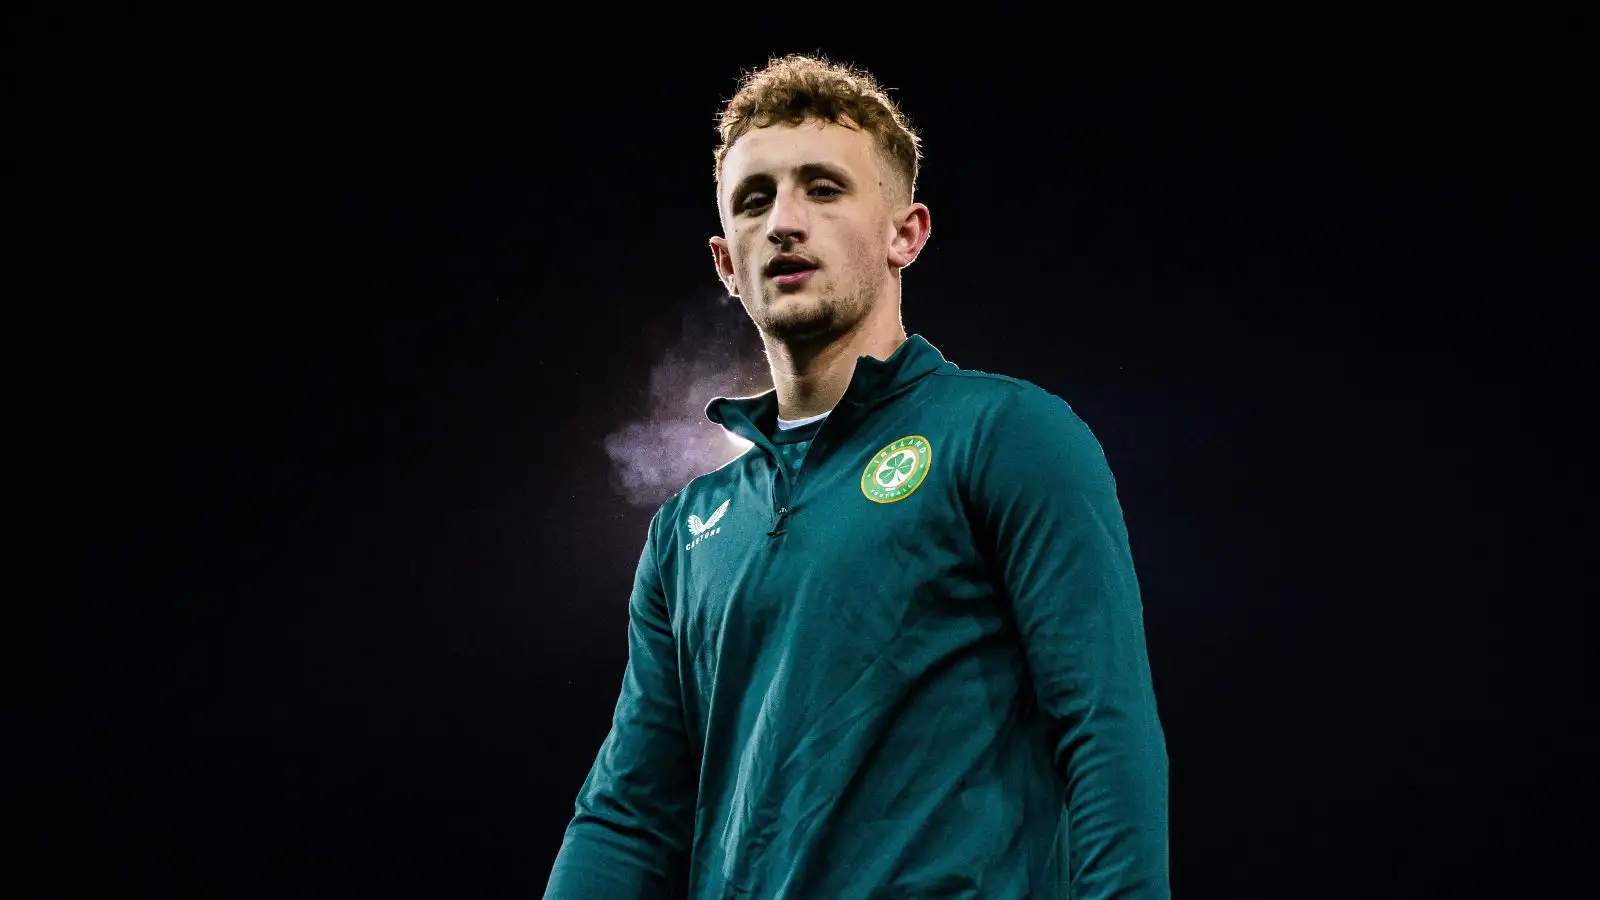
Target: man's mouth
column 788, row 266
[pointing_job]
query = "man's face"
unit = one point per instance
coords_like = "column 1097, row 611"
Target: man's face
column 806, row 214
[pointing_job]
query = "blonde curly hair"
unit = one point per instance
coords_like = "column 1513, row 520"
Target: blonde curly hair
column 795, row 88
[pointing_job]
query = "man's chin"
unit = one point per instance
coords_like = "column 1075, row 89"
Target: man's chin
column 802, row 319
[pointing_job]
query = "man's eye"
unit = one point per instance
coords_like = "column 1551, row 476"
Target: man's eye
column 826, row 190
column 753, row 201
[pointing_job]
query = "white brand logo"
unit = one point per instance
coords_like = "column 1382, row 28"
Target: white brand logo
column 703, row 530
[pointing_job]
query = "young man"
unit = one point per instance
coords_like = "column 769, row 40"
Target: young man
column 896, row 649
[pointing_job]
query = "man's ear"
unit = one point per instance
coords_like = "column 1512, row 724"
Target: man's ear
column 912, row 228
column 724, row 263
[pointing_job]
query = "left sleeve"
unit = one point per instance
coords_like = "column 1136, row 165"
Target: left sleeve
column 1047, row 504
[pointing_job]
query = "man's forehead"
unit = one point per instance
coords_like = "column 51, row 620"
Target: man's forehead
column 778, row 148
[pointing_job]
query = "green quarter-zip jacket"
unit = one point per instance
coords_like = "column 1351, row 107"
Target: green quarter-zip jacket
column 898, row 653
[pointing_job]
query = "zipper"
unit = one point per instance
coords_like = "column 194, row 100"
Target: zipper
column 780, row 504
column 791, row 484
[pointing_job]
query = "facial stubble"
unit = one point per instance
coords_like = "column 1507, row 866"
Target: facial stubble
column 818, row 312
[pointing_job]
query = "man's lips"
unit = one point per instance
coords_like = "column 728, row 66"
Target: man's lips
column 785, row 265
column 794, row 277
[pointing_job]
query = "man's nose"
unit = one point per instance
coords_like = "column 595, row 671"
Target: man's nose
column 788, row 221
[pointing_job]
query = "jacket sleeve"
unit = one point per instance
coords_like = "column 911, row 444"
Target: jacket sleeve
column 634, row 817
column 1048, row 505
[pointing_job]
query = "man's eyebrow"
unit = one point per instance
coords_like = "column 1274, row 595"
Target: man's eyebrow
column 809, row 171
column 748, row 182
column 806, row 171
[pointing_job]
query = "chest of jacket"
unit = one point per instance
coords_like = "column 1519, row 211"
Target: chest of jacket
column 843, row 566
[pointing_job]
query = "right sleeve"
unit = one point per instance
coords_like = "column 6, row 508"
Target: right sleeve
column 630, row 836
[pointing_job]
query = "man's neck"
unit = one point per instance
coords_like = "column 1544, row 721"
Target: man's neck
column 810, row 379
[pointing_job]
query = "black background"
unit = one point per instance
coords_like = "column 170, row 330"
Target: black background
column 323, row 327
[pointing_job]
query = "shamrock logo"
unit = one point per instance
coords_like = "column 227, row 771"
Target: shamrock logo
column 897, row 470
column 900, row 464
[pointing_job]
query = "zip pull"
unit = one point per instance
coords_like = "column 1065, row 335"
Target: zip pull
column 777, row 524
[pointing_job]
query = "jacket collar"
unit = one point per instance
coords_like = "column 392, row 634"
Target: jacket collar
column 874, row 381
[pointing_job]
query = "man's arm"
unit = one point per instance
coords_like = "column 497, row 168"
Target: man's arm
column 634, row 817
column 1048, row 504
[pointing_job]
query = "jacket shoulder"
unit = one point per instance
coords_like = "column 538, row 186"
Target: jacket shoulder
column 992, row 392
column 717, row 481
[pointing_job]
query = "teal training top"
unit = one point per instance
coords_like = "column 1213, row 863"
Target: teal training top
column 906, row 660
